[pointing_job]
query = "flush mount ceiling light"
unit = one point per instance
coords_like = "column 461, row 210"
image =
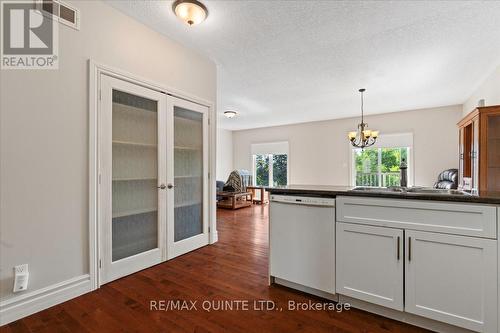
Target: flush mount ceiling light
column 363, row 137
column 190, row 11
column 230, row 114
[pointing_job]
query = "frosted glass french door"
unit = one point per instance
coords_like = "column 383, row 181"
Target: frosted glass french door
column 187, row 223
column 133, row 175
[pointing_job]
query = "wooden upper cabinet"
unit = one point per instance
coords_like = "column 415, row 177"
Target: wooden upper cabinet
column 479, row 139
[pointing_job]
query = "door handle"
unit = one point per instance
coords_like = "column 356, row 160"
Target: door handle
column 398, row 246
column 162, row 187
column 409, row 248
column 170, row 186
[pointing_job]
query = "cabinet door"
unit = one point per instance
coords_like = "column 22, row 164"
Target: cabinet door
column 187, row 174
column 132, row 157
column 452, row 279
column 490, row 159
column 461, row 157
column 370, row 264
column 475, row 155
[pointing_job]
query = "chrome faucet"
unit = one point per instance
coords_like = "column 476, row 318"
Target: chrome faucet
column 403, row 173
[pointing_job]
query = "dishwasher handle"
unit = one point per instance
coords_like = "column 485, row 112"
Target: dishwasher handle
column 300, row 200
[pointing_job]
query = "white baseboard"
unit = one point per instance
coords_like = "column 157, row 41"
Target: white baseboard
column 28, row 303
column 214, row 237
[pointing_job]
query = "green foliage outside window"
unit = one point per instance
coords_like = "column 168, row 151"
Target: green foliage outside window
column 366, row 160
column 262, row 168
column 370, row 173
column 280, row 169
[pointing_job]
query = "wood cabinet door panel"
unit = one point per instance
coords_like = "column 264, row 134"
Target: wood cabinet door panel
column 461, row 157
column 475, row 155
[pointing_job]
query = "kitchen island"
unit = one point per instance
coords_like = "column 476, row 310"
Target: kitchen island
column 328, row 191
column 429, row 258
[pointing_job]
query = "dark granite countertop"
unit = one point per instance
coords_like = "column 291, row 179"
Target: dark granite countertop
column 333, row 191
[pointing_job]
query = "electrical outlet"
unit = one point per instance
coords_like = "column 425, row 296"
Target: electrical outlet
column 21, row 269
column 21, row 276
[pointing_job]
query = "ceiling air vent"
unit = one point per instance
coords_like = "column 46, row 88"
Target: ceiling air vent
column 61, row 12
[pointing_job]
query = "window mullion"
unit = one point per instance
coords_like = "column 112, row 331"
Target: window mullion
column 254, row 171
column 271, row 162
column 379, row 167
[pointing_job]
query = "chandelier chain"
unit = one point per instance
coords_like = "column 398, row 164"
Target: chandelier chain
column 363, row 137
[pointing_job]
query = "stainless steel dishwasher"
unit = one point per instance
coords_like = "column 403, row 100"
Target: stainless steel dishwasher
column 302, row 242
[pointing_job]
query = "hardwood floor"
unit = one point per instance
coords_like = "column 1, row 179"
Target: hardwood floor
column 235, row 269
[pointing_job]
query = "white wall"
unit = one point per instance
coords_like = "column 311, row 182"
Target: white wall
column 320, row 151
column 489, row 90
column 224, row 153
column 44, row 138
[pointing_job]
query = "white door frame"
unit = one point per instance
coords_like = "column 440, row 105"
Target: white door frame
column 95, row 72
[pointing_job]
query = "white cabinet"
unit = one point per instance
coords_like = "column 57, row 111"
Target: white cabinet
column 426, row 215
column 132, row 135
column 187, row 171
column 153, row 177
column 370, row 264
column 451, row 279
column 447, row 271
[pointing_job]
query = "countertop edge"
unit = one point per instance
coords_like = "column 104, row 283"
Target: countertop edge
column 405, row 196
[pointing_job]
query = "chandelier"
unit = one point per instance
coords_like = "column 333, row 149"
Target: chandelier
column 363, row 137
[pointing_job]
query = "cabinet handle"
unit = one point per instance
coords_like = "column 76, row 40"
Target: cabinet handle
column 409, row 248
column 399, row 239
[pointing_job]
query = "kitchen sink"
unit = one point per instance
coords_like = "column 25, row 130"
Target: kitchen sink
column 416, row 190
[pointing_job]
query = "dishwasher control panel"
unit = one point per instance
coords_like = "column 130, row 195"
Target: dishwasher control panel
column 313, row 201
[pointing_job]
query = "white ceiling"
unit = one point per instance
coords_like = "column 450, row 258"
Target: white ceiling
column 282, row 62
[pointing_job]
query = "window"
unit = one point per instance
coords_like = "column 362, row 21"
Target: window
column 270, row 163
column 270, row 169
column 379, row 166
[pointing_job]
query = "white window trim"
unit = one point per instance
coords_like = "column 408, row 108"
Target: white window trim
column 271, row 167
column 408, row 142
column 270, row 148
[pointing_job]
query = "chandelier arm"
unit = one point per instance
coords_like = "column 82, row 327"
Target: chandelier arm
column 371, row 142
